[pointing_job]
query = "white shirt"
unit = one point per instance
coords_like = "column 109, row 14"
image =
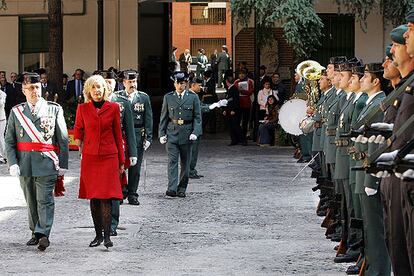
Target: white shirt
column 131, row 96
column 338, row 91
column 182, row 94
column 357, row 96
column 327, row 91
column 348, row 95
column 372, row 97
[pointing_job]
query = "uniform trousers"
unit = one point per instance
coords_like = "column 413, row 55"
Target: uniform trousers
column 178, row 152
column 194, row 156
column 407, row 195
column 134, row 173
column 115, row 210
column 395, row 238
column 38, row 192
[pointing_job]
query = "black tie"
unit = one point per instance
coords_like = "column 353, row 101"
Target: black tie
column 180, row 96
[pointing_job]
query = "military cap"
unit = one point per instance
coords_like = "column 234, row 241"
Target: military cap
column 106, row 74
column 130, row 74
column 397, row 34
column 336, row 66
column 355, row 62
column 374, row 68
column 346, row 66
column 410, row 16
column 388, row 52
column 337, row 60
column 32, row 78
column 180, row 76
column 358, row 70
column 196, row 80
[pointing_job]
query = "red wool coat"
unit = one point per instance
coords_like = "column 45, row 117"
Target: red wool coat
column 102, row 151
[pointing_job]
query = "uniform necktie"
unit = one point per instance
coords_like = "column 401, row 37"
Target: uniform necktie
column 32, row 109
column 79, row 86
column 180, row 96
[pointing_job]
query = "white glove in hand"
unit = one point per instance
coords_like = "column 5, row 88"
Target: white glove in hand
column 383, row 126
column 370, row 191
column 163, row 139
column 214, row 105
column 193, row 137
column 387, row 156
column 359, row 138
column 133, row 161
column 364, row 140
column 146, row 144
column 14, row 170
column 62, row 172
column 372, row 139
column 408, row 174
column 409, row 157
column 382, row 174
column 222, row 102
column 379, row 140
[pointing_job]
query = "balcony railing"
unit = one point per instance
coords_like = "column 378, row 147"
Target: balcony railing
column 203, row 15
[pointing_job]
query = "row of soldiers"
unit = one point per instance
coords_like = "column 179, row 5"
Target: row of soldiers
column 361, row 143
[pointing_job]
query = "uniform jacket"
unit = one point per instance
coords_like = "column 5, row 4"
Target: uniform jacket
column 50, row 122
column 142, row 115
column 71, row 90
column 100, row 131
column 223, row 61
column 233, row 100
column 317, row 117
column 187, row 109
column 210, row 95
column 329, row 97
column 127, row 122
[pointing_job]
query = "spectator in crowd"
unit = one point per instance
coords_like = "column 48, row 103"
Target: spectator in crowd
column 242, row 65
column 185, row 61
column 278, row 86
column 223, row 64
column 228, row 79
column 214, row 65
column 49, row 90
column 245, row 86
column 263, row 95
column 65, row 81
column 262, row 75
column 2, row 127
column 267, row 129
column 75, row 87
column 174, row 59
column 7, row 88
column 232, row 114
column 209, row 96
column 99, row 137
column 201, row 63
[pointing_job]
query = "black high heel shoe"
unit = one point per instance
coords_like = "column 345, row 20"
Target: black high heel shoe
column 96, row 242
column 108, row 243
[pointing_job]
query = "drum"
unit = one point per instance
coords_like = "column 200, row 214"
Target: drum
column 291, row 114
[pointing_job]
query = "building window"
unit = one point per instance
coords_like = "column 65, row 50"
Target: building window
column 208, row 14
column 208, row 44
column 33, row 44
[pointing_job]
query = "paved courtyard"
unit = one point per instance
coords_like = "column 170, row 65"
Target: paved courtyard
column 243, row 218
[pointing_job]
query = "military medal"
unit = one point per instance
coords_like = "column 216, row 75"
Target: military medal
column 341, row 121
column 180, row 122
column 21, row 133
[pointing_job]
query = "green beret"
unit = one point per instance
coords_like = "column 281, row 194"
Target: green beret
column 388, row 52
column 397, row 34
column 410, row 16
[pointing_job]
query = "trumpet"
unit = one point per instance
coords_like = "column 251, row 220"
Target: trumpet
column 311, row 71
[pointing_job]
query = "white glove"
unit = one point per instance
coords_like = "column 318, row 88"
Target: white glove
column 370, row 191
column 382, row 174
column 133, row 161
column 409, row 157
column 379, row 140
column 408, row 174
column 222, row 102
column 62, row 172
column 163, row 139
column 398, row 175
column 372, row 139
column 14, row 170
column 384, row 126
column 364, row 140
column 146, row 144
column 214, row 105
column 193, row 137
column 359, row 138
column 387, row 156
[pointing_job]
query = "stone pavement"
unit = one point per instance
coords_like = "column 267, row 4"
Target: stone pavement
column 242, row 218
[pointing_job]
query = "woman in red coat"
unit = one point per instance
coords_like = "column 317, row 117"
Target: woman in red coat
column 98, row 135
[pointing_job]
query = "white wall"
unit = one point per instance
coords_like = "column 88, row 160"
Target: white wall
column 9, row 53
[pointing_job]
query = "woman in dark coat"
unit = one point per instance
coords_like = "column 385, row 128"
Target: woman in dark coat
column 267, row 129
column 98, row 135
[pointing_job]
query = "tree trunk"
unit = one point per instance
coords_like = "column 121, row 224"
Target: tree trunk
column 56, row 47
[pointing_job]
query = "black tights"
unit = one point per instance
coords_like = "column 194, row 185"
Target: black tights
column 101, row 215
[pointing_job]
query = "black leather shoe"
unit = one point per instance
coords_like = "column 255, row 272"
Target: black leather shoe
column 353, row 270
column 133, row 200
column 108, row 243
column 199, row 175
column 345, row 258
column 336, row 247
column 32, row 241
column 194, row 176
column 171, row 193
column 96, row 242
column 181, row 194
column 43, row 243
column 114, row 233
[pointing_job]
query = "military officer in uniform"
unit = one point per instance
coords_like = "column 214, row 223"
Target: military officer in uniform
column 37, row 152
column 128, row 134
column 180, row 126
column 142, row 114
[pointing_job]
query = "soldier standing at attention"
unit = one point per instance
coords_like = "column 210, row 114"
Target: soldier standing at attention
column 37, row 151
column 180, row 125
column 142, row 113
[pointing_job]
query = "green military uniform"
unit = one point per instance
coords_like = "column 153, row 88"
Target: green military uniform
column 38, row 172
column 142, row 115
column 180, row 117
column 329, row 97
column 316, row 139
column 127, row 126
column 376, row 256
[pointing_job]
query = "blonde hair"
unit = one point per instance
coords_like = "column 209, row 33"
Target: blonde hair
column 90, row 82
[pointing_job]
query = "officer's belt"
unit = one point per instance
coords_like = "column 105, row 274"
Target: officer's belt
column 181, row 122
column 35, row 146
column 331, row 132
column 342, row 142
column 359, row 155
